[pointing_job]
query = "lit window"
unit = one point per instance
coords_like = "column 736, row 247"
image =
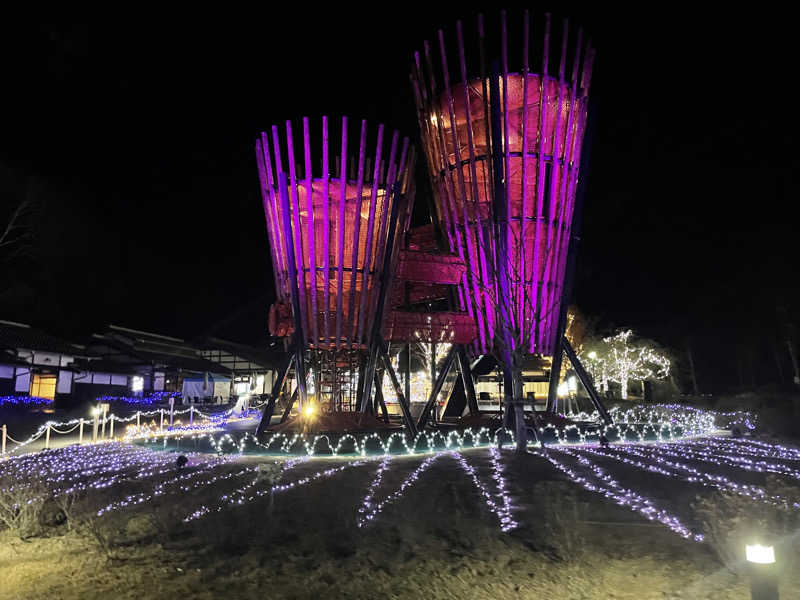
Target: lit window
column 137, row 383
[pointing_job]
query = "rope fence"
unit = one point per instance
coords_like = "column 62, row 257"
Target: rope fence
column 103, row 425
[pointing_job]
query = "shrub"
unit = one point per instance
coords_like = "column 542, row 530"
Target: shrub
column 21, row 508
column 729, row 521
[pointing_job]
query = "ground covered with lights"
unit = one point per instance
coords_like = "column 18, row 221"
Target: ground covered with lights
column 632, row 520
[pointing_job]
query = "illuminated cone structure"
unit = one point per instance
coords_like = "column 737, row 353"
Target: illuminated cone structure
column 503, row 151
column 334, row 240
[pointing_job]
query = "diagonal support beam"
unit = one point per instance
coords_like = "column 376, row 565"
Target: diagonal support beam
column 379, row 396
column 386, row 284
column 469, row 382
column 289, row 406
column 401, row 397
column 269, row 409
column 585, row 380
column 437, row 387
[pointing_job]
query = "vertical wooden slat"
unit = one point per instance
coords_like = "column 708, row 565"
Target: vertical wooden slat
column 326, row 235
column 373, row 198
column 541, row 226
column 385, row 211
column 462, row 191
column 340, row 227
column 557, row 208
column 489, row 170
column 450, row 197
column 509, row 256
column 568, row 169
column 312, row 234
column 351, row 323
column 275, row 212
column 298, row 232
column 482, row 298
column 525, row 302
column 266, row 191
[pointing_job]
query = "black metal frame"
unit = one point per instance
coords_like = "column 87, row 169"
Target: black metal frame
column 269, row 408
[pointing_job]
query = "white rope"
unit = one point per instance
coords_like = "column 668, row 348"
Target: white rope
column 65, row 432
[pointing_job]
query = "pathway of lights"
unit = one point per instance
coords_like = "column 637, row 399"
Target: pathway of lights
column 718, row 454
column 180, row 481
column 687, row 473
column 598, row 481
column 102, row 466
column 240, row 499
column 749, row 448
column 370, row 508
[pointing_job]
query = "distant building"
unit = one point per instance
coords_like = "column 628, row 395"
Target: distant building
column 35, row 363
column 126, row 362
column 159, row 363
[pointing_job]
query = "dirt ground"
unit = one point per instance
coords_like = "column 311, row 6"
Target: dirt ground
column 437, row 540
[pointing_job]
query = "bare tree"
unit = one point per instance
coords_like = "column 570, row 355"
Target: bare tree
column 18, row 233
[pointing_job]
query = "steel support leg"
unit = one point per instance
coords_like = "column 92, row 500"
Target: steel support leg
column 379, row 396
column 469, row 383
column 586, row 381
column 269, row 409
column 289, row 406
column 401, row 398
column 437, row 387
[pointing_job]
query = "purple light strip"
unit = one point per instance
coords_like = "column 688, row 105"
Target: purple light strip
column 685, row 472
column 462, row 190
column 311, row 254
column 483, row 300
column 340, row 225
column 604, row 484
column 326, row 236
column 266, row 192
column 351, row 325
column 713, row 454
column 558, row 209
column 389, row 199
column 238, row 497
column 502, row 509
column 377, row 507
column 367, row 264
column 523, row 265
column 297, row 234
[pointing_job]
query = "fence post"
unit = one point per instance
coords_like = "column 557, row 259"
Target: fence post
column 80, row 432
column 191, row 415
column 161, row 428
column 5, row 433
column 47, row 436
column 111, row 432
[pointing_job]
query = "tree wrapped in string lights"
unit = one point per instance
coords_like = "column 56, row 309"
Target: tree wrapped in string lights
column 622, row 359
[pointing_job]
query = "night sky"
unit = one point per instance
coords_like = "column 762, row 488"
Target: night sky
column 136, row 141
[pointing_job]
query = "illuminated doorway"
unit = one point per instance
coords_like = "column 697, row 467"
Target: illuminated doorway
column 44, row 386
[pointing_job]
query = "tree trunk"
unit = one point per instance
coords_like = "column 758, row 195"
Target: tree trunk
column 691, row 370
column 624, row 385
column 508, row 396
column 519, row 412
column 794, row 361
